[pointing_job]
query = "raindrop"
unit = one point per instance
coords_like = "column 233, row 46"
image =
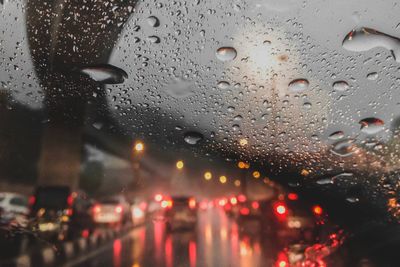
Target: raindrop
column 371, row 125
column 364, row 39
column 298, row 85
column 235, row 127
column 344, row 148
column 340, row 86
column 352, row 199
column 231, row 109
column 336, row 135
column 238, row 118
column 325, row 181
column 193, row 138
column 226, row 53
column 342, row 176
column 223, row 85
column 307, row 105
column 154, row 39
column 153, row 21
column 372, row 76
column 104, row 73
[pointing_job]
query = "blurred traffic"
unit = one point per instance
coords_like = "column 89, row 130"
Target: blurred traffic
column 182, row 230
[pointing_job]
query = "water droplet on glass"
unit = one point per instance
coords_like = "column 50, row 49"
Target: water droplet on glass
column 340, row 86
column 223, row 85
column 352, row 199
column 231, row 109
column 324, row 181
column 342, row 176
column 371, row 125
column 307, row 105
column 372, row 76
column 235, row 127
column 154, row 39
column 238, row 118
column 364, row 39
column 153, row 21
column 336, row 135
column 226, row 53
column 193, row 138
column 298, row 85
column 104, row 73
column 344, row 148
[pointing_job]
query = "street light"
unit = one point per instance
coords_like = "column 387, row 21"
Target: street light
column 222, row 179
column 256, row 174
column 207, row 176
column 139, row 146
column 179, row 164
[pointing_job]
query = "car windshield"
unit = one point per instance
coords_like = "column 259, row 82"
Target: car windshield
column 247, row 111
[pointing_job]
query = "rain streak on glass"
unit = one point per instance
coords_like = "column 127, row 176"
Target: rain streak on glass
column 226, row 54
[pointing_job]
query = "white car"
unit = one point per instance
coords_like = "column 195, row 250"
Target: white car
column 13, row 208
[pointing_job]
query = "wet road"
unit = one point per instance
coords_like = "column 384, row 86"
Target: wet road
column 217, row 241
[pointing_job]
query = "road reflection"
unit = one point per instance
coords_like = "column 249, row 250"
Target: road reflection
column 217, row 241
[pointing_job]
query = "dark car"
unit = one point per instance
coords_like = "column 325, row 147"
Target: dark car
column 181, row 212
column 59, row 213
column 291, row 218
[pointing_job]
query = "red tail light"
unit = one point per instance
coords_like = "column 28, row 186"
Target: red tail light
column 255, row 205
column 241, row 198
column 244, row 211
column 192, row 203
column 32, row 200
column 282, row 260
column 70, row 200
column 68, row 212
column 96, row 208
column 118, row 209
column 317, row 210
column 293, row 196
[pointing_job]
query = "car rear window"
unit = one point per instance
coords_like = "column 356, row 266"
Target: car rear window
column 51, row 198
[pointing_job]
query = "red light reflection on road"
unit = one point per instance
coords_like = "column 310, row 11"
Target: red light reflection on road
column 117, row 246
column 192, row 254
column 158, row 241
column 168, row 252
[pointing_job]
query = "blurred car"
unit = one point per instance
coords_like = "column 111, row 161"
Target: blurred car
column 290, row 218
column 13, row 209
column 58, row 213
column 114, row 210
column 180, row 212
column 139, row 210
